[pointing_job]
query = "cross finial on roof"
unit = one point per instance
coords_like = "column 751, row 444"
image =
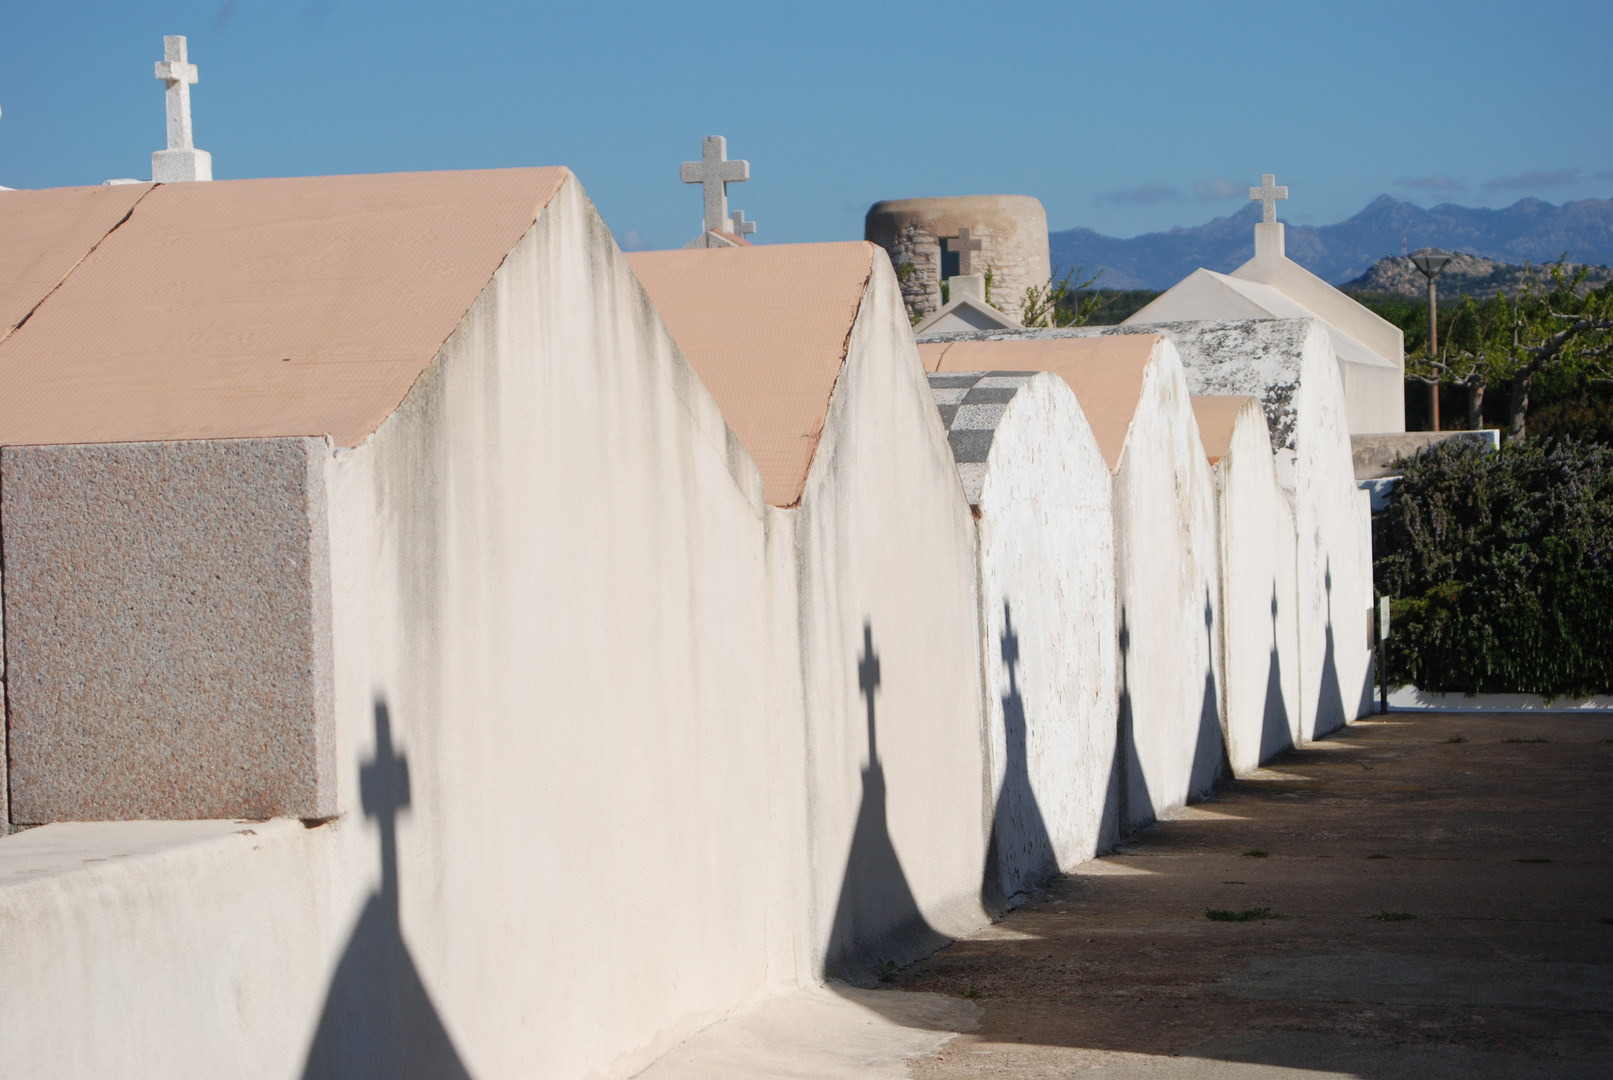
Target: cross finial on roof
column 1267, row 195
column 962, row 245
column 715, row 172
column 178, row 74
column 741, row 226
column 181, row 161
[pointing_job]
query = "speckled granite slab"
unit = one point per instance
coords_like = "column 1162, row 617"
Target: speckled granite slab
column 167, row 630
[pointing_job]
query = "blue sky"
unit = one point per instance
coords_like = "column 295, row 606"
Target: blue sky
column 1122, row 117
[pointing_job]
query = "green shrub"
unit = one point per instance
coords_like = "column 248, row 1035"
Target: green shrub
column 1500, row 569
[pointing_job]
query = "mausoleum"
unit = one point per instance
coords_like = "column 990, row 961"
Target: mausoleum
column 1166, row 577
column 1010, row 231
column 1369, row 350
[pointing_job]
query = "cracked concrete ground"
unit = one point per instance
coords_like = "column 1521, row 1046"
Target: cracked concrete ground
column 1443, row 897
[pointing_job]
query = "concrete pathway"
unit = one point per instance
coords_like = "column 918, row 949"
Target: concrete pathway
column 1442, row 897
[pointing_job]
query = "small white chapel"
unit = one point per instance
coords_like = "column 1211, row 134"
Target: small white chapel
column 1371, row 350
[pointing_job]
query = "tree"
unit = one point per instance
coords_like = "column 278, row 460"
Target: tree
column 1045, row 305
column 1554, row 325
column 1557, row 323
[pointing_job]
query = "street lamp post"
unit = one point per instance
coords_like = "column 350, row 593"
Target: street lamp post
column 1430, row 264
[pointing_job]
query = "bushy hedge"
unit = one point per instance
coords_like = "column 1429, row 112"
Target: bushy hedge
column 1500, row 567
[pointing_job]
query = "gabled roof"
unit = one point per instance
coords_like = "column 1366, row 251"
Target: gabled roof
column 1106, row 373
column 766, row 329
column 242, row 308
column 1205, row 295
column 1217, row 417
column 965, row 313
column 1273, row 286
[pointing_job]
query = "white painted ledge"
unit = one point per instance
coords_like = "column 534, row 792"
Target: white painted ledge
column 1411, row 699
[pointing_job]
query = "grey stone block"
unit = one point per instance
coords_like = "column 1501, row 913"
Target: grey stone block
column 167, row 630
column 1374, row 456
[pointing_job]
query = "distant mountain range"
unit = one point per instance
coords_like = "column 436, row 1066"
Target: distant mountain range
column 1528, row 230
column 1464, row 275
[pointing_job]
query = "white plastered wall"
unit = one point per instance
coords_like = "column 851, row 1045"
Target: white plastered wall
column 1332, row 523
column 886, row 543
column 627, row 695
column 550, row 567
column 1258, row 591
column 1167, row 585
column 1369, row 351
column 1048, row 646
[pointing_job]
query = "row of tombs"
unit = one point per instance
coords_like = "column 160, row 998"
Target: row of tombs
column 437, row 643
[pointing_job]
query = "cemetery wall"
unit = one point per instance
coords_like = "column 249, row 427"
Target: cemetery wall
column 579, row 666
column 886, row 551
column 165, row 949
column 1048, row 648
column 1167, row 585
column 553, row 583
column 1258, row 590
column 1290, row 366
column 1333, row 525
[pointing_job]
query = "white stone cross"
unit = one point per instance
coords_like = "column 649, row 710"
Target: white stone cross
column 181, row 161
column 179, row 75
column 741, row 226
column 715, row 172
column 963, row 245
column 1267, row 195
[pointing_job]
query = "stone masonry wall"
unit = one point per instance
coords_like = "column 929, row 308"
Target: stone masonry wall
column 1012, row 228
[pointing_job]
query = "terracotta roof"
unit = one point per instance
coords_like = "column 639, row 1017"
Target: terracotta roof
column 766, row 328
column 1217, row 415
column 244, row 308
column 1106, row 373
column 44, row 234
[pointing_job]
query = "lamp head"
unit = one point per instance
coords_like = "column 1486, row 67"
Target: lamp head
column 1429, row 263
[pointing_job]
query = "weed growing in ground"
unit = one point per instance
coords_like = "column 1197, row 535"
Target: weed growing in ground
column 1532, row 860
column 1375, row 855
column 970, row 991
column 1392, row 916
column 1253, row 914
column 1456, row 739
column 1256, row 853
column 1368, row 768
column 1523, row 740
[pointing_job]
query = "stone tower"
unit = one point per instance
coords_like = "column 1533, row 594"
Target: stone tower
column 1013, row 228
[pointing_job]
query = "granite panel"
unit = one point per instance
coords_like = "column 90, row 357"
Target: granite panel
column 167, row 630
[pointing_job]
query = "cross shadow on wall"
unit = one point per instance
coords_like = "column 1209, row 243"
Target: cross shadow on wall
column 1210, row 763
column 877, row 922
column 1330, row 694
column 1129, row 805
column 1020, row 854
column 1276, row 732
column 379, row 1020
